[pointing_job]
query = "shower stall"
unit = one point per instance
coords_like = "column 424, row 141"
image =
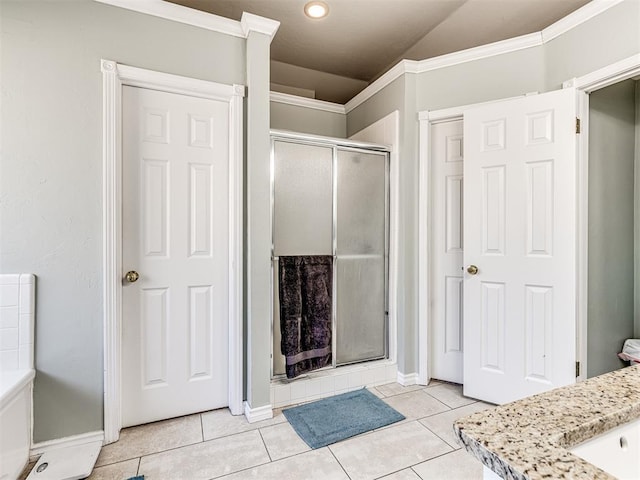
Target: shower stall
column 330, row 197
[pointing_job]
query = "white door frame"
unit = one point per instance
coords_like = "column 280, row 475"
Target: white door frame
column 114, row 76
column 603, row 77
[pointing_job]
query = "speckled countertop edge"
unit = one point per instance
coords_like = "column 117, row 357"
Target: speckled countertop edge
column 529, row 439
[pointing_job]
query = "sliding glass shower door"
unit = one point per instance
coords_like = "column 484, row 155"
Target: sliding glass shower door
column 360, row 256
column 331, row 199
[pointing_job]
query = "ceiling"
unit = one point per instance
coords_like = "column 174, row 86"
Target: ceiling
column 334, row 58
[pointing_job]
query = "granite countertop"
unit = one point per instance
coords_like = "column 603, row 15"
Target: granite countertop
column 529, row 438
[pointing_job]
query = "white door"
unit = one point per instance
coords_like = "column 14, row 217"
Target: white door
column 520, row 233
column 446, row 263
column 175, row 235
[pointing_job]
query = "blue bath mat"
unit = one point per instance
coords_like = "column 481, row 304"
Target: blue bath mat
column 335, row 418
column 139, row 477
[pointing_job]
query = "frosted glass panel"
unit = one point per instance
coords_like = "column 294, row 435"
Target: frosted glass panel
column 303, row 199
column 360, row 315
column 361, row 203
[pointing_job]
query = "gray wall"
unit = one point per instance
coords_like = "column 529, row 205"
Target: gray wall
column 611, row 225
column 51, row 174
column 611, row 36
column 605, row 39
column 308, row 120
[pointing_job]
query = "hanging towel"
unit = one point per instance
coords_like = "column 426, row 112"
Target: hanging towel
column 305, row 312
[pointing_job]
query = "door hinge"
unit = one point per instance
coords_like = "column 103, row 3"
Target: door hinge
column 577, row 369
column 577, row 125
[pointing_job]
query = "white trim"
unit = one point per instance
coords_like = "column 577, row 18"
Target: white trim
column 582, row 234
column 288, row 99
column 443, row 61
column 402, row 67
column 236, row 266
column 424, row 246
column 603, row 77
column 448, row 114
column 111, row 247
column 583, row 14
column 114, row 77
column 578, row 17
column 181, row 14
column 254, row 23
column 257, row 414
column 41, row 448
column 407, row 379
column 483, row 51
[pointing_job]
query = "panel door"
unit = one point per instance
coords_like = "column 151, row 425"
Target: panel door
column 520, row 233
column 447, row 242
column 175, row 235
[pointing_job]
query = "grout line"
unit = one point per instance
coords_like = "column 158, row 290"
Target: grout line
column 201, row 427
column 452, row 446
column 416, row 473
column 334, row 456
column 265, row 446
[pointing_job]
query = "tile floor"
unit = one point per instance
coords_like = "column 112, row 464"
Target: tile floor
column 217, row 445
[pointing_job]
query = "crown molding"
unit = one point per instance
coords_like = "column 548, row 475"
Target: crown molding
column 442, row 61
column 186, row 15
column 399, row 69
column 578, row 17
column 484, row 51
column 255, row 23
column 305, row 102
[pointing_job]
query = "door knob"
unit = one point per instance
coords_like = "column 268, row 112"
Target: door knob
column 132, row 276
column 472, row 269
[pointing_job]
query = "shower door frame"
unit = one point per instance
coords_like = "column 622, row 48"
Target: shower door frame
column 336, row 144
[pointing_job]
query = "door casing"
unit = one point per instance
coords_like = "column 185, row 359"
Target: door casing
column 603, row 77
column 114, row 76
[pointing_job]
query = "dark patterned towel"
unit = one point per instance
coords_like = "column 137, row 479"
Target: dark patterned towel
column 305, row 312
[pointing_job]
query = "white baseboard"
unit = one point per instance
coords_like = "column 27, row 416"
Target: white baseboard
column 407, row 379
column 38, row 449
column 257, row 414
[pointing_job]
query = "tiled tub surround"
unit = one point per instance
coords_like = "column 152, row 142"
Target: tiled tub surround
column 17, row 312
column 530, row 438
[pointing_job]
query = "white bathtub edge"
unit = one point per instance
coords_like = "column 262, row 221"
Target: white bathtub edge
column 40, row 448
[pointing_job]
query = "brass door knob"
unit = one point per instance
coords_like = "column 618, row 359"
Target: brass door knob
column 472, row 270
column 132, row 276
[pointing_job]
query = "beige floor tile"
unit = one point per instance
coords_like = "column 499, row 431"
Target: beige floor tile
column 395, row 388
column 282, row 441
column 116, row 471
column 406, row 474
column 450, row 394
column 416, row 404
column 386, row 451
column 317, row 464
column 458, row 465
column 442, row 423
column 376, row 392
column 152, row 438
column 207, row 460
column 220, row 423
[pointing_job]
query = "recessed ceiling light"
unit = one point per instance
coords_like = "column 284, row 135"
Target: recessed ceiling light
column 316, row 9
